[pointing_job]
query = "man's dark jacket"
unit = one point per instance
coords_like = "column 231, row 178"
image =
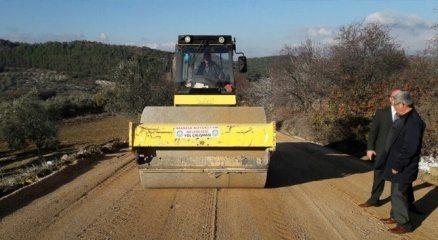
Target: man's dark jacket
column 214, row 69
column 402, row 150
column 379, row 129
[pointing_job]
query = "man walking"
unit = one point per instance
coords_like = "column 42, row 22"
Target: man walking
column 379, row 129
column 402, row 154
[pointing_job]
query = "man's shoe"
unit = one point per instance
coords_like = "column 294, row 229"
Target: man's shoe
column 366, row 204
column 389, row 220
column 399, row 230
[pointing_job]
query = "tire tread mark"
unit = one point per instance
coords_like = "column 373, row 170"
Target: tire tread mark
column 281, row 224
column 117, row 173
column 320, row 211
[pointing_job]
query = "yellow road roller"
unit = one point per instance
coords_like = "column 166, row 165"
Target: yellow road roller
column 205, row 140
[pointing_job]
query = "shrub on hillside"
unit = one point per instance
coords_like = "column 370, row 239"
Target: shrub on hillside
column 24, row 121
column 338, row 87
column 420, row 79
column 299, row 78
column 136, row 88
column 258, row 93
column 363, row 58
column 71, row 106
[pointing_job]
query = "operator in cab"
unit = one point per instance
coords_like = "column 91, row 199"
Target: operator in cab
column 209, row 68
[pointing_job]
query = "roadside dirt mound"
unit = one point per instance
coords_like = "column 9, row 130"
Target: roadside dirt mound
column 37, row 169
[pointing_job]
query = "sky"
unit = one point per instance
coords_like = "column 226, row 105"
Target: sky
column 261, row 27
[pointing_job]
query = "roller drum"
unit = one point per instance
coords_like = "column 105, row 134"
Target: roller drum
column 212, row 167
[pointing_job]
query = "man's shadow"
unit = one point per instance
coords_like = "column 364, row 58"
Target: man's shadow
column 426, row 205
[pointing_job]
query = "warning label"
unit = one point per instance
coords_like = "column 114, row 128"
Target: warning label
column 197, row 132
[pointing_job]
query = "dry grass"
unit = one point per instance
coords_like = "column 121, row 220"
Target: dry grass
column 82, row 131
column 93, row 131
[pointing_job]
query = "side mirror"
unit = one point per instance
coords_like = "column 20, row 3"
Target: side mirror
column 241, row 61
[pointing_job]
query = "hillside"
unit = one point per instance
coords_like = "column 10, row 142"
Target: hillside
column 258, row 67
column 78, row 59
column 66, row 67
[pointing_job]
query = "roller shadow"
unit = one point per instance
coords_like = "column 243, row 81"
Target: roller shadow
column 301, row 162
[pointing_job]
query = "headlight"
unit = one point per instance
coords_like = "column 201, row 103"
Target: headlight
column 187, row 39
column 221, row 39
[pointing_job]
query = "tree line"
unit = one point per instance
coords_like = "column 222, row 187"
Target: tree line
column 78, row 59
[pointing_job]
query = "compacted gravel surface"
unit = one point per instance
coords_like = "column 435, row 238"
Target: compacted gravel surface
column 312, row 193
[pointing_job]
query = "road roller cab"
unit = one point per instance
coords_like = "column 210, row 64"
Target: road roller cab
column 204, row 140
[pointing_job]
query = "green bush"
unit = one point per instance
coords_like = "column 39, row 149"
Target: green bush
column 62, row 107
column 24, row 121
column 136, row 88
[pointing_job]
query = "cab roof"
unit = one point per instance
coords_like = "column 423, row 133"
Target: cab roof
column 204, row 39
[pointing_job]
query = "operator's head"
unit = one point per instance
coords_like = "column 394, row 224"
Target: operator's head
column 207, row 56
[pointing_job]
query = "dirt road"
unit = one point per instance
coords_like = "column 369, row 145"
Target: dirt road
column 312, row 193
